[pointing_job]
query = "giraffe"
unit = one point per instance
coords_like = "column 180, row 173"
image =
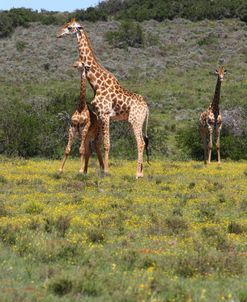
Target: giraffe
column 111, row 100
column 83, row 122
column 211, row 119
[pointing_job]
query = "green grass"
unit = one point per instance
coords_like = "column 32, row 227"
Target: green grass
column 178, row 234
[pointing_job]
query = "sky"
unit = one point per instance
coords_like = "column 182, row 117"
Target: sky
column 51, row 5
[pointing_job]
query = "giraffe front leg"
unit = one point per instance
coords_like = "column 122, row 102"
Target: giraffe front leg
column 105, row 124
column 218, row 142
column 87, row 155
column 98, row 151
column 72, row 134
column 210, row 143
column 83, row 134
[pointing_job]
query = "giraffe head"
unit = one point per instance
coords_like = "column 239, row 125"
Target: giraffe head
column 220, row 72
column 81, row 67
column 69, row 28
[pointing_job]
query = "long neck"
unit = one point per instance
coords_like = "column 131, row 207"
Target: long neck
column 89, row 59
column 86, row 52
column 216, row 99
column 82, row 102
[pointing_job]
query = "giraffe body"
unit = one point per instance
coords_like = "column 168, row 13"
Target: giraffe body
column 85, row 124
column 211, row 120
column 111, row 100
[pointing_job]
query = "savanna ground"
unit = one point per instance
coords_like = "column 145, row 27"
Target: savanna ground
column 178, row 234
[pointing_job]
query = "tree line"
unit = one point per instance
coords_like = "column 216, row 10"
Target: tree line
column 138, row 10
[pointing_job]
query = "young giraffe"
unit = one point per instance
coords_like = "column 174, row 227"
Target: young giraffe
column 211, row 119
column 111, row 100
column 83, row 122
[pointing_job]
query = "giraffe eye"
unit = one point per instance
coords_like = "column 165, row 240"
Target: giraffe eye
column 69, row 27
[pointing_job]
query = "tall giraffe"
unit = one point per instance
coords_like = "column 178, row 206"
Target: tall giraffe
column 211, row 119
column 83, row 122
column 111, row 100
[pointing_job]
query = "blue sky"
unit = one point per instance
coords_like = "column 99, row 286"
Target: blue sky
column 54, row 5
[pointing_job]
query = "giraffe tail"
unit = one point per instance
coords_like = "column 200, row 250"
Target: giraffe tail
column 146, row 139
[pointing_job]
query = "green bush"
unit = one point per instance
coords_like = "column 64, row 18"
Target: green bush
column 20, row 45
column 129, row 33
column 6, row 25
column 61, row 286
column 232, row 146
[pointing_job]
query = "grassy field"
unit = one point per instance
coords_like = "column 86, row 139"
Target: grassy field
column 179, row 234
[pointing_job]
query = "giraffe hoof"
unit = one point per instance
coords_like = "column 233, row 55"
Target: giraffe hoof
column 139, row 175
column 106, row 173
column 60, row 171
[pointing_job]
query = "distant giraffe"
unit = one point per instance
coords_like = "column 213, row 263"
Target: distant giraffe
column 211, row 119
column 83, row 122
column 111, row 100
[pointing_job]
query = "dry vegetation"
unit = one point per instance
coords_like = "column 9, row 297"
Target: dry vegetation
column 173, row 69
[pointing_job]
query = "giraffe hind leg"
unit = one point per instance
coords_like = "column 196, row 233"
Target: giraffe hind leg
column 204, row 141
column 210, row 144
column 83, row 134
column 137, row 129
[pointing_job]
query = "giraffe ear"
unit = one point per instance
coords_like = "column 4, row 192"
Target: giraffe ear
column 225, row 71
column 216, row 71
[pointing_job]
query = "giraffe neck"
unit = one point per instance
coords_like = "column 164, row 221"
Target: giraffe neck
column 89, row 59
column 82, row 104
column 216, row 99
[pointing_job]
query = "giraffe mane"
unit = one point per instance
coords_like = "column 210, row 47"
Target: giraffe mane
column 93, row 54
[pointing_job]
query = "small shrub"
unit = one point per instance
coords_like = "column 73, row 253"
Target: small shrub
column 3, row 211
column 33, row 207
column 88, row 283
column 62, row 224
column 96, row 235
column 8, row 234
column 191, row 185
column 46, row 66
column 177, row 210
column 20, row 45
column 222, row 198
column 49, row 225
column 129, row 258
column 151, row 39
column 3, row 180
column 235, row 228
column 129, row 33
column 206, row 211
column 208, row 40
column 61, row 286
column 204, row 262
column 176, row 224
column 55, row 175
